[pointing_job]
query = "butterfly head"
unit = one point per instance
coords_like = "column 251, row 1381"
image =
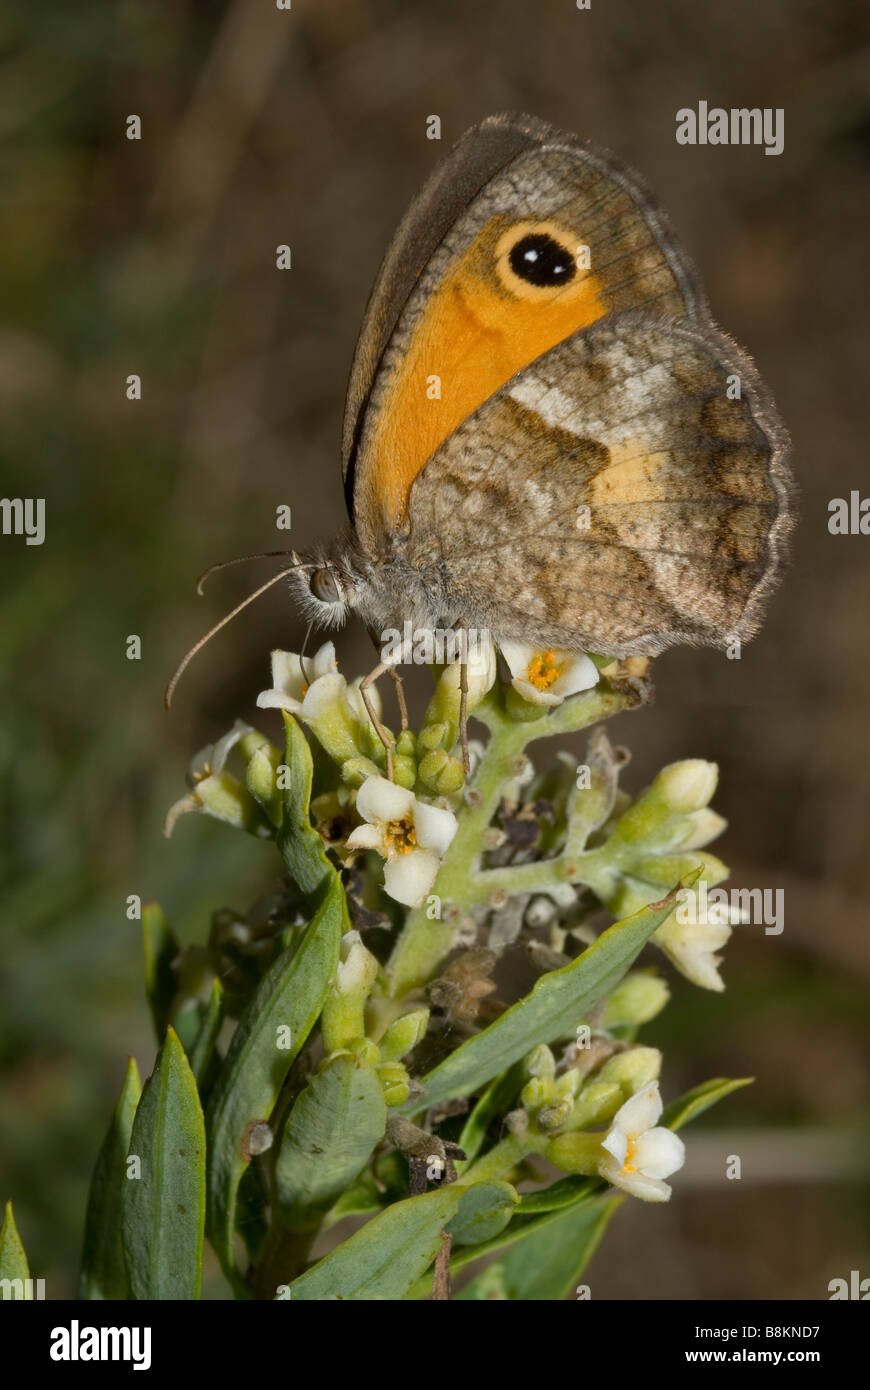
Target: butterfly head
column 326, row 588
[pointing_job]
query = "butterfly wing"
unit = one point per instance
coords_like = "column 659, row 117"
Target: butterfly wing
column 612, row 496
column 521, row 237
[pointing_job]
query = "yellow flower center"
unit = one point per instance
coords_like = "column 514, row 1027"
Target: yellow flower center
column 628, row 1166
column 399, row 837
column 543, row 670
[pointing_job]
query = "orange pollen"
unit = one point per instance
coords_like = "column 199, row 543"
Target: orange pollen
column 305, row 690
column 628, row 1166
column 543, row 670
column 399, row 837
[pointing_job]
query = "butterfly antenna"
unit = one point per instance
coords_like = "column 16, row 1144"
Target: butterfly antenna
column 303, row 651
column 240, row 560
column 198, row 646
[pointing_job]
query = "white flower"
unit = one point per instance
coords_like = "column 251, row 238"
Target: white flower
column 291, row 684
column 639, row 1155
column 211, row 789
column 412, row 836
column 547, row 676
column 693, row 933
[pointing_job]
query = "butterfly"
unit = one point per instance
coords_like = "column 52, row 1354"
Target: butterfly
column 546, row 436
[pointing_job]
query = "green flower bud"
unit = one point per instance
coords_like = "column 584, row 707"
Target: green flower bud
column 431, row 765
column 406, row 744
column 395, row 1082
column 636, row 999
column 405, row 772
column 597, row 1102
column 435, row 735
column 261, row 781
column 678, row 790
column 633, row 1069
column 450, row 778
column 540, row 1062
column 575, row 1153
column 403, row 1036
column 520, row 710
column 355, row 771
column 343, row 1016
column 365, row 1049
column 536, row 1092
column 553, row 1116
column 224, row 797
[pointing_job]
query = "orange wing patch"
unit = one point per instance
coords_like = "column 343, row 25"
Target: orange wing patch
column 518, row 290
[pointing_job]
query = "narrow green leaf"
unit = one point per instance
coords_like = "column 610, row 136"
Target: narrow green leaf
column 160, row 946
column 330, row 1133
column 558, row 1002
column 300, row 845
column 163, row 1210
column 265, row 1044
column 484, row 1211
column 13, row 1260
column 103, row 1273
column 202, row 1053
column 548, row 1263
column 384, row 1259
column 496, row 1099
column 567, row 1192
column 699, row 1099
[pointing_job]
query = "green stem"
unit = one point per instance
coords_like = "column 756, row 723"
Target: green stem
column 425, row 942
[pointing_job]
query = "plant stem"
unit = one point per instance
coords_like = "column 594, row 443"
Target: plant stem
column 424, row 941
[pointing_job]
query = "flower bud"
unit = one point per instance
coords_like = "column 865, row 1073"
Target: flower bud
column 403, row 1036
column 575, row 1153
column 395, row 1082
column 633, row 1069
column 636, row 999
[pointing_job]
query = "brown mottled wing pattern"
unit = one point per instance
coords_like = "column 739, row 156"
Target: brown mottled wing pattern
column 611, row 496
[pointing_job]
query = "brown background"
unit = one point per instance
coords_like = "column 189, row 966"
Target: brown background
column 262, row 127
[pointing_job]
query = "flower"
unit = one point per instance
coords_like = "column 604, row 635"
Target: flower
column 547, row 676
column 639, row 1156
column 694, row 932
column 293, row 678
column 214, row 790
column 412, row 836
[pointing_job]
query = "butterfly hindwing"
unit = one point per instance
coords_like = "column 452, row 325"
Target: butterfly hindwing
column 624, row 492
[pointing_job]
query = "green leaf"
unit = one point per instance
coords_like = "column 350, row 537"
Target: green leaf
column 300, row 845
column 160, row 946
column 548, row 1263
column 567, row 1192
column 163, row 1210
column 496, row 1099
column 558, row 1002
column 290, row 997
column 13, row 1260
column 699, row 1099
column 360, row 1200
column 202, row 1053
column 103, row 1273
column 331, row 1131
column 387, row 1256
column 484, row 1211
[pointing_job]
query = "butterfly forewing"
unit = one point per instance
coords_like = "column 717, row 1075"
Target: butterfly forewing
column 529, row 236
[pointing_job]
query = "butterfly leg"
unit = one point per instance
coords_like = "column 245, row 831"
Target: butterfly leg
column 463, row 715
column 373, row 716
column 400, row 696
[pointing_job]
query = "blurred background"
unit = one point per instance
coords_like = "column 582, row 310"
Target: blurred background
column 157, row 257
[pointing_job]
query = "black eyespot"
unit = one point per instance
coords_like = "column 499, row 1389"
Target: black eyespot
column 324, row 587
column 541, row 260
